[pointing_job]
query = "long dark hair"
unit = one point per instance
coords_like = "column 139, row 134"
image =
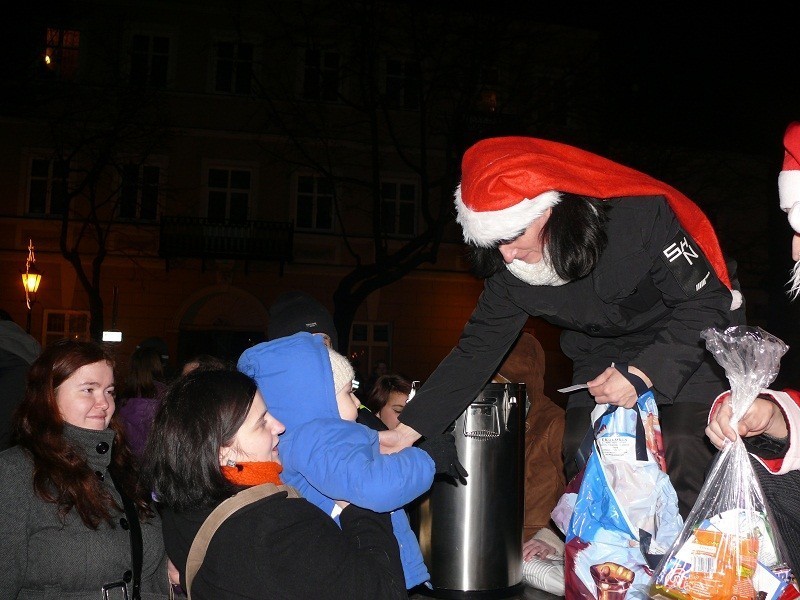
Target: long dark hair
column 574, row 234
column 201, row 412
column 144, row 370
column 61, row 474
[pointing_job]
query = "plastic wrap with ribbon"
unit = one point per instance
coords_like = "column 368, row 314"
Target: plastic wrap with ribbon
column 729, row 546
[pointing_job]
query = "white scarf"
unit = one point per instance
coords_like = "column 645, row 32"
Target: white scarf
column 539, row 273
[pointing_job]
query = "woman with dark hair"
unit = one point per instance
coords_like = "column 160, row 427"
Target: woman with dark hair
column 214, row 437
column 141, row 395
column 73, row 521
column 388, row 398
column 629, row 269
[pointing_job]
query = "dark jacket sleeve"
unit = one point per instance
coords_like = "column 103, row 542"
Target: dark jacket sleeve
column 490, row 332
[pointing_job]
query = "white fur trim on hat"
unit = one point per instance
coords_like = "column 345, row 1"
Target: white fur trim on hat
column 343, row 372
column 486, row 228
column 789, row 189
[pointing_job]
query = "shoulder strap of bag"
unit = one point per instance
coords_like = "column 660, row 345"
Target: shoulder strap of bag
column 197, row 552
column 135, row 534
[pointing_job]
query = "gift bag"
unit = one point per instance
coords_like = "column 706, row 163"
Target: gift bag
column 729, row 547
column 620, row 513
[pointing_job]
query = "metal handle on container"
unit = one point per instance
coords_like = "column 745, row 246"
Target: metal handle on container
column 482, row 420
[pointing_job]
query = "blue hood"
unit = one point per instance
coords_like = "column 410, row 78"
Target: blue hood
column 294, row 376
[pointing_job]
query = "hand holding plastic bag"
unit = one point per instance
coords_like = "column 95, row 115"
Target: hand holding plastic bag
column 729, row 547
column 620, row 514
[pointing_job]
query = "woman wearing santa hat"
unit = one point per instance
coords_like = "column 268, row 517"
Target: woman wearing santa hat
column 627, row 266
column 789, row 193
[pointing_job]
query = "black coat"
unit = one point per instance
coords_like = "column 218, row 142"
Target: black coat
column 282, row 547
column 645, row 303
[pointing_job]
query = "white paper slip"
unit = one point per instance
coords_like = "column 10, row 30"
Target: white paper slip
column 573, row 388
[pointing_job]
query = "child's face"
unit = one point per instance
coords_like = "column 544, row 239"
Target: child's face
column 348, row 403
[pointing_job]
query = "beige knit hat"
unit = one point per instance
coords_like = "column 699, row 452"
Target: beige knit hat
column 343, row 372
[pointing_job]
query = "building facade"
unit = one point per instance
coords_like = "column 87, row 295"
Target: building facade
column 178, row 165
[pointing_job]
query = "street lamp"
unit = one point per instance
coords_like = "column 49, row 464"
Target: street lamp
column 31, row 279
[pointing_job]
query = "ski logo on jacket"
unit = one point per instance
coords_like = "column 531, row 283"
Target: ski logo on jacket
column 687, row 263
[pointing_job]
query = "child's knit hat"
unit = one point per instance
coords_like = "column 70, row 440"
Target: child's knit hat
column 343, row 372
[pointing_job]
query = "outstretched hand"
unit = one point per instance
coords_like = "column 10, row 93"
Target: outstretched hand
column 397, row 439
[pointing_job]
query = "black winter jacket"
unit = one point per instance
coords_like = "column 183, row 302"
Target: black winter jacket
column 646, row 302
column 287, row 548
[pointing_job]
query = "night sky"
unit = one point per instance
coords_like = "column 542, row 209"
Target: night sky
column 683, row 73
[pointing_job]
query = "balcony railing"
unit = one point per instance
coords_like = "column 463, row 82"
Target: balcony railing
column 187, row 237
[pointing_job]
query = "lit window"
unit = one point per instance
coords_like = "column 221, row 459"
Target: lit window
column 61, row 53
column 72, row 324
column 487, row 101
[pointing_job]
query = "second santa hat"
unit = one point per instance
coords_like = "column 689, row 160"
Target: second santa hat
column 789, row 178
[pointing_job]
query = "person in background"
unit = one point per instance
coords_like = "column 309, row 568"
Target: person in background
column 326, row 455
column 381, row 368
column 543, row 546
column 628, row 267
column 205, row 361
column 770, row 430
column 17, row 351
column 298, row 311
column 160, row 345
column 789, row 195
column 141, row 395
column 215, row 436
column 71, row 508
column 388, row 398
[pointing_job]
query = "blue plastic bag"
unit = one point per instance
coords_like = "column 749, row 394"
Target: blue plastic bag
column 624, row 515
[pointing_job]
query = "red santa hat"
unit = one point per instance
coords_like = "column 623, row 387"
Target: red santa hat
column 507, row 182
column 789, row 178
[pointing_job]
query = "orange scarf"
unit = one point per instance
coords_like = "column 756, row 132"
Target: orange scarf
column 253, row 473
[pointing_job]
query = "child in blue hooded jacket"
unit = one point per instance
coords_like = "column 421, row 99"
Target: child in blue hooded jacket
column 326, row 455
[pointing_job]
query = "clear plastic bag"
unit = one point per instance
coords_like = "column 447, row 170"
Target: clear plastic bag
column 729, row 546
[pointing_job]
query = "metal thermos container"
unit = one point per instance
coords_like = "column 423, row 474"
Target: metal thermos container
column 471, row 534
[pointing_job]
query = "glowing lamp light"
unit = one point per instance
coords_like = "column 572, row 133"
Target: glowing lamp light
column 31, row 280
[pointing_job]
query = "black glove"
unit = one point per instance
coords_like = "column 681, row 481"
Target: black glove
column 442, row 449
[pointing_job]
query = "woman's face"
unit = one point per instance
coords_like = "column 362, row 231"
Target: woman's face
column 391, row 410
column 528, row 246
column 257, row 438
column 86, row 398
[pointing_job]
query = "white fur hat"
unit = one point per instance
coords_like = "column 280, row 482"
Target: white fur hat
column 343, row 372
